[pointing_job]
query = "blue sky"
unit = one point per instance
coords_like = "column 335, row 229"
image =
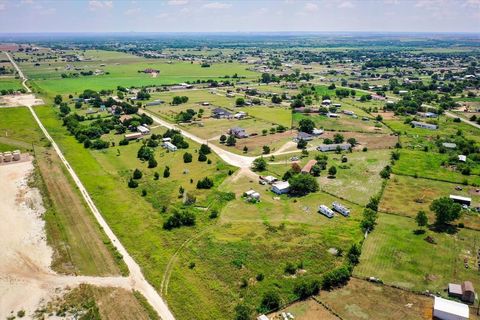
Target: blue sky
column 239, row 15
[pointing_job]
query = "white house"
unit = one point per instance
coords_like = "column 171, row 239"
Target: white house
column 143, row 130
column 281, row 187
column 169, row 146
column 444, row 309
column 326, row 211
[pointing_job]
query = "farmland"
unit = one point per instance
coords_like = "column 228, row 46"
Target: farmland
column 146, row 125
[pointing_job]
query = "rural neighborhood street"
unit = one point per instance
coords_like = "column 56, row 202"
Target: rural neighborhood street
column 136, row 279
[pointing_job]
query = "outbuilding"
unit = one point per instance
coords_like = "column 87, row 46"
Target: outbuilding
column 462, row 200
column 444, row 309
column 308, row 167
column 326, row 211
column 281, row 187
column 462, row 158
column 143, row 130
column 341, row 209
column 334, row 147
column 133, row 136
column 424, row 125
column 170, row 146
column 468, row 292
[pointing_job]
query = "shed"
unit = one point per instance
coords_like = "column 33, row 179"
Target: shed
column 444, row 309
column 304, row 136
column 462, row 158
column 281, row 187
column 449, row 145
column 468, row 293
column 133, row 136
column 269, row 179
column 317, row 132
column 334, row 147
column 143, row 130
column 262, row 317
column 169, row 146
column 455, row 290
column 462, row 200
column 424, row 125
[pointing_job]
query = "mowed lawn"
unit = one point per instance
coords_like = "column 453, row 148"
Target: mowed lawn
column 275, row 115
column 393, row 253
column 407, row 195
column 429, row 165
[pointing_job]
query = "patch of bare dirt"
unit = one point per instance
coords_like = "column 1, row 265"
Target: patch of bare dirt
column 18, row 100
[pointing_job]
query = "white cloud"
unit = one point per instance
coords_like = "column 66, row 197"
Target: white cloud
column 26, row 2
column 346, row 5
column 311, row 7
column 177, row 2
column 47, row 11
column 2, row 5
column 132, row 11
column 217, row 5
column 98, row 4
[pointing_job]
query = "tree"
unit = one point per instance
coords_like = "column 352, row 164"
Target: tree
column 64, row 109
column 166, row 172
column 259, row 164
column 205, row 183
column 276, row 99
column 202, row 157
column 240, row 102
column 205, row 149
column 306, row 125
column 223, row 138
column 132, row 183
column 270, row 301
column 421, row 218
column 302, row 144
column 266, row 149
column 353, row 254
column 315, row 171
column 332, row 171
column 137, row 174
column 338, row 138
column 245, row 149
column 57, row 99
column 305, row 288
column 242, row 312
column 352, row 141
column 446, row 211
column 369, row 219
column 302, row 184
column 231, row 140
column 152, row 163
column 187, row 157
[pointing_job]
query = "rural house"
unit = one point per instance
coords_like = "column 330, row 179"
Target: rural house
column 170, row 146
column 281, row 187
column 334, row 147
column 220, row 113
column 303, row 136
column 238, row 132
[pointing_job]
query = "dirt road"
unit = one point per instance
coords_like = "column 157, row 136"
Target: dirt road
column 136, row 279
column 20, row 73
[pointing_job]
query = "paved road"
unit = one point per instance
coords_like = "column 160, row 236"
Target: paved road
column 227, row 156
column 136, row 279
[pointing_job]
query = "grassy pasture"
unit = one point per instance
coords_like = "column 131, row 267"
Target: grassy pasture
column 407, row 195
column 17, row 124
column 429, row 165
column 360, row 299
column 344, row 123
column 275, row 115
column 393, row 253
column 7, row 83
column 123, row 70
column 258, row 238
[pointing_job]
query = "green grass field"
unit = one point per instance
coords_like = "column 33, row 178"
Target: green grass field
column 429, row 165
column 393, row 253
column 10, row 83
column 407, row 195
column 123, row 70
